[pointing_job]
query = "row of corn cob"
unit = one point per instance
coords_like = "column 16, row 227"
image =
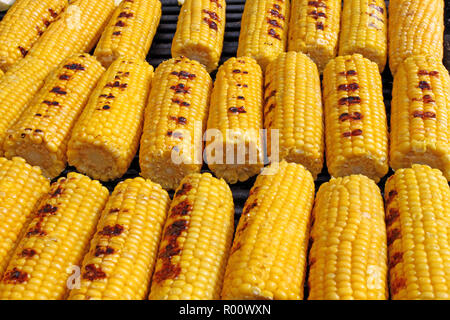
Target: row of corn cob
column 185, row 246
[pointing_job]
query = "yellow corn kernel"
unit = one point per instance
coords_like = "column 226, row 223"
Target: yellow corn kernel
column 355, row 118
column 77, row 30
column 23, row 25
column 21, row 186
column 314, row 29
column 417, row 218
column 293, row 107
column 348, row 256
column 416, row 27
column 200, row 32
column 264, row 30
column 130, row 31
column 42, row 132
column 55, row 241
column 123, row 251
column 196, row 241
column 106, row 136
column 234, row 149
column 420, row 117
column 175, row 118
column 268, row 256
column 364, row 30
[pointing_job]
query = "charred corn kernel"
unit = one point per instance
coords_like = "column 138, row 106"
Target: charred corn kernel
column 314, row 29
column 200, row 32
column 234, row 149
column 196, row 241
column 41, row 134
column 77, row 30
column 123, row 251
column 106, row 136
column 130, row 31
column 171, row 144
column 416, row 27
column 23, row 25
column 293, row 107
column 417, row 218
column 264, row 30
column 55, row 241
column 348, row 256
column 420, row 117
column 17, row 88
column 355, row 118
column 268, row 256
column 364, row 30
column 21, row 186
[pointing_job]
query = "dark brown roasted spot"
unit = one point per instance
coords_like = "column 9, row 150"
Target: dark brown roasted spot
column 53, row 13
column 93, row 273
column 427, row 99
column 74, row 66
column 15, row 276
column 316, row 15
column 100, row 250
column 428, row 73
column 274, row 23
column 125, row 15
column 249, row 207
column 392, row 216
column 395, row 259
column 23, row 51
column 64, row 77
column 106, row 107
column 120, row 23
column 116, row 84
column 211, row 23
column 117, row 33
column 28, row 253
column 184, row 75
column 348, row 73
column 180, row 88
column 378, row 8
column 393, row 235
column 320, row 25
column 110, row 96
column 276, row 14
column 348, row 87
column 274, row 34
column 185, row 188
column 112, row 231
column 51, row 103
column 398, row 284
column 181, row 209
column 58, row 90
column 349, row 100
column 241, row 97
column 168, row 271
column 36, row 231
column 38, row 115
column 169, row 251
column 391, row 196
column 237, row 110
column 46, row 210
column 424, row 85
column 212, row 15
column 217, row 3
column 317, row 4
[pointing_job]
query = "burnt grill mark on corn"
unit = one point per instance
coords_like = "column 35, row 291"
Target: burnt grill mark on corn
column 107, row 96
column 103, row 250
column 180, row 102
column 120, row 23
column 176, row 228
column 237, row 110
column 428, row 73
column 240, row 97
column 112, row 231
column 393, row 235
column 316, row 15
column 378, row 8
column 390, row 196
column 348, row 87
column 354, row 133
column 424, row 85
column 354, row 116
column 392, row 216
column 58, row 90
column 106, row 107
column 51, row 103
column 181, row 209
column 276, row 14
column 36, row 230
column 57, row 192
column 46, row 22
column 274, row 34
column 168, row 271
column 179, row 120
column 211, row 23
column 395, row 259
column 317, row 4
column 274, row 23
column 64, row 77
column 117, row 33
column 23, row 51
column 116, row 84
column 74, row 66
column 114, row 210
column 398, row 284
column 180, row 88
column 351, row 100
column 126, row 15
column 15, row 276
column 169, row 251
column 217, row 3
column 28, row 253
column 185, row 188
column 348, row 73
column 46, row 210
column 320, row 25
column 184, row 75
column 424, row 115
column 250, row 207
column 93, row 273
column 212, row 15
column 53, row 13
column 38, row 115
column 39, row 31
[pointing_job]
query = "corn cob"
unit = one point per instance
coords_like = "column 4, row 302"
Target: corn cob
column 42, row 132
column 17, row 88
column 21, row 187
column 55, row 240
column 417, row 218
column 293, row 106
column 420, row 118
column 314, row 29
column 236, row 152
column 348, row 257
column 106, row 136
column 171, row 145
column 364, row 30
column 196, row 241
column 264, row 30
column 130, row 31
column 416, row 27
column 355, row 118
column 77, row 30
column 200, row 32
column 268, row 256
column 123, row 260
column 23, row 25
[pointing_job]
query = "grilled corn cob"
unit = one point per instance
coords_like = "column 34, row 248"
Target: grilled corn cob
column 23, row 25
column 200, row 32
column 42, row 132
column 420, row 118
column 130, row 31
column 348, row 257
column 196, row 241
column 293, row 106
column 264, row 27
column 77, row 30
column 171, row 144
column 55, row 240
column 268, row 256
column 21, row 186
column 123, row 251
column 236, row 152
column 355, row 118
column 364, row 30
column 416, row 27
column 106, row 136
column 314, row 29
column 417, row 218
